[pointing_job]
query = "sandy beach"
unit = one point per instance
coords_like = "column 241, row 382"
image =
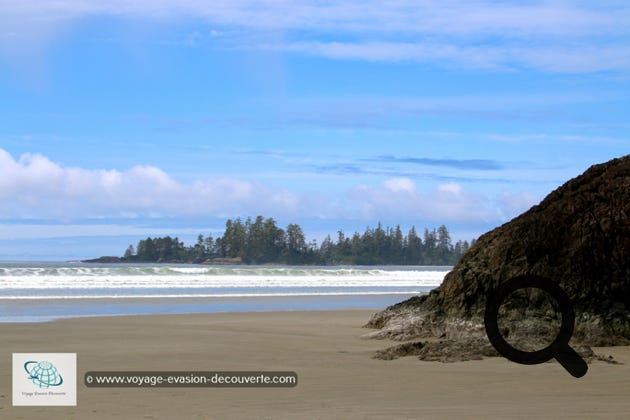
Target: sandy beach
column 338, row 379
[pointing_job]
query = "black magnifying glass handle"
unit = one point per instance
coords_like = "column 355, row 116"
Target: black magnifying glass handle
column 571, row 361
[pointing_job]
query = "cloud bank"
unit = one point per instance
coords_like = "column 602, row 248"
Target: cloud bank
column 34, row 187
column 448, row 17
column 549, row 36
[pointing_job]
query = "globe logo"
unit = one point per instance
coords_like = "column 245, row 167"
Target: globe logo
column 43, row 374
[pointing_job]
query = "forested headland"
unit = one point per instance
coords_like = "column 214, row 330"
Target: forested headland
column 261, row 241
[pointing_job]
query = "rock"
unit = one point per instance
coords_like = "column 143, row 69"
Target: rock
column 401, row 350
column 104, row 260
column 441, row 351
column 224, row 261
column 578, row 237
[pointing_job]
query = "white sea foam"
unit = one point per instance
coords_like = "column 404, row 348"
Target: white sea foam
column 163, row 281
column 165, row 270
column 386, row 279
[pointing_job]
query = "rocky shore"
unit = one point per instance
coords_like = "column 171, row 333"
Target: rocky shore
column 578, row 237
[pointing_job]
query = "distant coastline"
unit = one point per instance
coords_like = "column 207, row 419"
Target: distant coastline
column 110, row 259
column 260, row 241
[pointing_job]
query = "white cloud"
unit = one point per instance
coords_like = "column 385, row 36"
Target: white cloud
column 550, row 35
column 19, row 231
column 399, row 198
column 450, row 17
column 551, row 57
column 34, row 187
column 400, row 185
column 513, row 204
column 451, row 188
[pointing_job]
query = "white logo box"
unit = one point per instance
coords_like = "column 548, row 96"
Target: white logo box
column 45, row 379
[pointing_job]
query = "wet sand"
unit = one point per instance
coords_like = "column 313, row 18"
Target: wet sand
column 338, row 379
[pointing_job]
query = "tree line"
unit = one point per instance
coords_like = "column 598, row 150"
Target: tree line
column 261, row 241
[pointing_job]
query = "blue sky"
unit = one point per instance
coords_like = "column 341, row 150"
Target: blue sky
column 125, row 119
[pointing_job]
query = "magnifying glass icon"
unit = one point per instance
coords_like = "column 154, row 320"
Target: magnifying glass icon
column 558, row 349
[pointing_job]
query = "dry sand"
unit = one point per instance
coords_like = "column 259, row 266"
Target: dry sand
column 337, row 377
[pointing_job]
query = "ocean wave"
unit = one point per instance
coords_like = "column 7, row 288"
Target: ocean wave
column 397, row 279
column 167, row 270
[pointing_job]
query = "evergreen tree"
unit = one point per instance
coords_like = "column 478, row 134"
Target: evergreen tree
column 262, row 241
column 444, row 246
column 296, row 249
column 129, row 253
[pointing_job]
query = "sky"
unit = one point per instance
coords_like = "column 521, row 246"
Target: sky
column 124, row 119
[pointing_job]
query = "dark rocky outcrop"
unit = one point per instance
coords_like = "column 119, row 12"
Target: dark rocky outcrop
column 578, row 236
column 104, row 260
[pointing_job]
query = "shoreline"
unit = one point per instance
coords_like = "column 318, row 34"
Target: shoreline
column 337, row 376
column 123, row 315
column 46, row 309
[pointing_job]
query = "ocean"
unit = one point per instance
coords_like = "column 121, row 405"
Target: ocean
column 43, row 291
